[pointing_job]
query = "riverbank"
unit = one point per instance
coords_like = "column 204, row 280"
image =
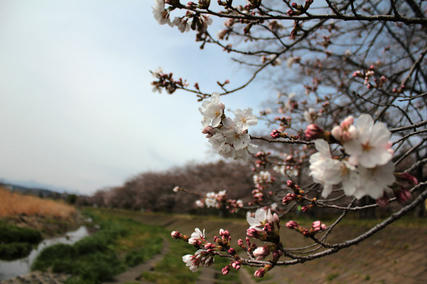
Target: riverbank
column 394, row 255
column 134, row 247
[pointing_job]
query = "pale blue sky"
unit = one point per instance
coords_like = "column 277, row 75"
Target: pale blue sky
column 77, row 108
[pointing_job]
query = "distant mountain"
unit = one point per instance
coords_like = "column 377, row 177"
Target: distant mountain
column 33, row 188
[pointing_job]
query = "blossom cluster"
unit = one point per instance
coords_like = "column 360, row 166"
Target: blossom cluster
column 366, row 169
column 184, row 23
column 264, row 226
column 262, row 179
column 229, row 137
column 204, row 256
column 166, row 81
column 316, row 226
column 219, row 200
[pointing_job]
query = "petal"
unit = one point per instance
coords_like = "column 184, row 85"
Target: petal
column 322, row 146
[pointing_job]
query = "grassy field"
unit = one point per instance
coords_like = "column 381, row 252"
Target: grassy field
column 25, row 220
column 126, row 239
column 394, row 255
column 14, row 204
column 17, row 242
column 118, row 245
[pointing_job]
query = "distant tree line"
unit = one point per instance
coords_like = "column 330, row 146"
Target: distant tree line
column 152, row 191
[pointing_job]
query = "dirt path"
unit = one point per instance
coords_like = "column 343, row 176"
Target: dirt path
column 133, row 275
column 207, row 276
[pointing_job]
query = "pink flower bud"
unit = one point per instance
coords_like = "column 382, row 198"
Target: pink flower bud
column 232, row 251
column 240, row 242
column 261, row 252
column 404, row 195
column 209, row 131
column 236, row 265
column 224, row 233
column 291, row 224
column 313, row 131
column 251, row 232
column 259, row 273
column 209, row 246
column 175, row 234
column 275, row 133
column 268, row 227
column 383, row 200
column 225, row 270
column 409, row 177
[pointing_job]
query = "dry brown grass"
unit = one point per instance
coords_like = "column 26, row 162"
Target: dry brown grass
column 12, row 204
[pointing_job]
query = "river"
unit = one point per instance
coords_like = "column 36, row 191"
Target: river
column 14, row 268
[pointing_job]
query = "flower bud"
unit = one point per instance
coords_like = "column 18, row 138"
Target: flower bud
column 313, row 131
column 175, row 234
column 291, row 224
column 251, row 232
column 403, row 195
column 409, row 178
column 209, row 131
column 236, row 265
column 275, row 133
column 261, row 252
column 232, row 251
column 259, row 273
column 225, row 270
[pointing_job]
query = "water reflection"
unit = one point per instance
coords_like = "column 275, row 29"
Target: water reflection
column 10, row 269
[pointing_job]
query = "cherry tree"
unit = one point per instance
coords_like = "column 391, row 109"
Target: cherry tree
column 345, row 133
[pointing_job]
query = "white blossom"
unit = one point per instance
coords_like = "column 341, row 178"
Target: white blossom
column 182, row 24
column 199, row 204
column 371, row 147
column 374, row 181
column 239, row 203
column 196, row 237
column 200, row 257
column 258, row 219
column 210, row 200
column 323, row 168
column 159, row 12
column 188, row 260
column 244, row 118
column 212, row 111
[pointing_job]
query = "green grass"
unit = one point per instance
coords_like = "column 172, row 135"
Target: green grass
column 118, row 244
column 17, row 242
column 171, row 269
column 332, row 276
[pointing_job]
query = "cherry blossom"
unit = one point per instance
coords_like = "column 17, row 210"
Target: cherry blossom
column 259, row 218
column 212, row 111
column 371, row 147
column 159, row 12
column 323, row 168
column 373, row 181
column 244, row 118
column 197, row 237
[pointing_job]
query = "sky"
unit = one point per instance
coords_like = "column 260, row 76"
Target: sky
column 77, row 107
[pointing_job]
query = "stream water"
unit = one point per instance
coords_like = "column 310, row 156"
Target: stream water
column 14, row 268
